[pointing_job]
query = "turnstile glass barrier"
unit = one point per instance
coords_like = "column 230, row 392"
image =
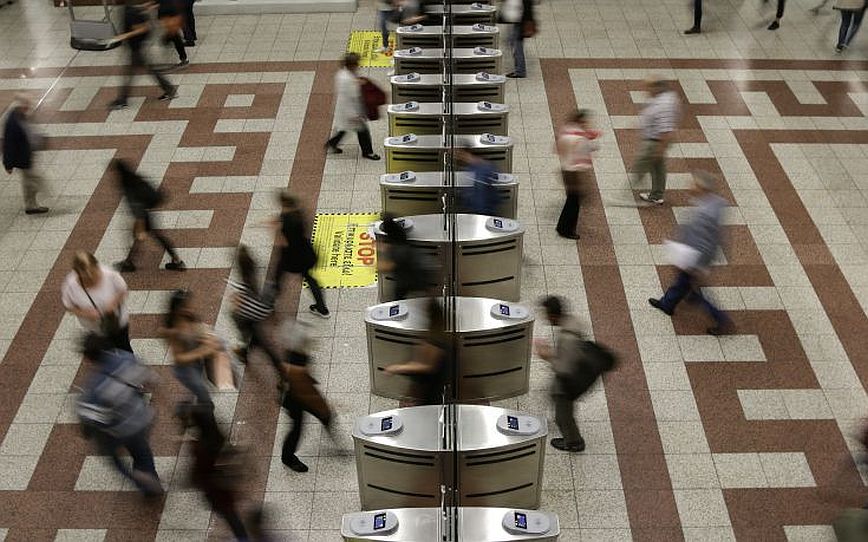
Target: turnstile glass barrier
column 492, row 356
column 466, row 87
column 428, row 118
column 411, row 193
column 465, row 60
column 411, row 152
column 477, row 524
column 464, row 14
column 487, row 252
column 498, row 454
column 478, row 35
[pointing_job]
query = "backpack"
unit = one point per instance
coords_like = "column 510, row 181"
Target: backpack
column 115, row 403
column 590, row 362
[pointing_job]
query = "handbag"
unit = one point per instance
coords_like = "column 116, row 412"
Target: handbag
column 109, row 323
column 372, row 97
column 682, row 256
column 528, row 29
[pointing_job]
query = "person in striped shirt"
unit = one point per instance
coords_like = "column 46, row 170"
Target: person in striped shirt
column 659, row 118
column 576, row 141
column 249, row 310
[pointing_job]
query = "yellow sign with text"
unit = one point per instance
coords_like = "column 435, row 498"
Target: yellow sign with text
column 365, row 43
column 347, row 255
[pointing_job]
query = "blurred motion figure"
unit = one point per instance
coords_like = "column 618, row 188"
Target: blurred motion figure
column 20, row 141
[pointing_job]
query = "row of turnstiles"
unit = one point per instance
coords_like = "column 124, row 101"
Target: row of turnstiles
column 407, row 458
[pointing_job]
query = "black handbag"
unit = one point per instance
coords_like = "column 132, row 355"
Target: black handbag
column 109, row 323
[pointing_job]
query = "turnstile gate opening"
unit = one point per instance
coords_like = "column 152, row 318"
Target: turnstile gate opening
column 428, row 87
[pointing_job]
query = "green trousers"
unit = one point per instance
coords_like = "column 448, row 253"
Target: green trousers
column 646, row 162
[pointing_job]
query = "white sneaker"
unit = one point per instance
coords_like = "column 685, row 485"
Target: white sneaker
column 645, row 196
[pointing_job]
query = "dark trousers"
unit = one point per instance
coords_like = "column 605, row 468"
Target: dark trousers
column 139, row 61
column 779, row 13
column 565, row 420
column 189, row 21
column 254, row 337
column 145, row 224
column 685, row 288
column 178, row 42
column 283, row 266
column 139, row 449
column 569, row 219
column 364, row 140
column 850, row 23
column 697, row 13
column 295, row 410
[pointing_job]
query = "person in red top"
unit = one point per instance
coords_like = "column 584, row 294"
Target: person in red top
column 575, row 143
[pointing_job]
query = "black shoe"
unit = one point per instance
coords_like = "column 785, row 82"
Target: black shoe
column 560, row 444
column 170, row 94
column 568, row 235
column 183, row 63
column 334, row 148
column 514, row 75
column 774, row 26
column 721, row 328
column 36, row 211
column 294, row 463
column 322, row 314
column 118, row 104
column 372, row 156
column 176, row 266
column 125, row 266
column 694, row 30
column 658, row 305
column 189, row 43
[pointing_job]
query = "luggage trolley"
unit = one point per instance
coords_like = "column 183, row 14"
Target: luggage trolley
column 478, row 35
column 466, row 60
column 429, row 118
column 466, row 87
column 92, row 35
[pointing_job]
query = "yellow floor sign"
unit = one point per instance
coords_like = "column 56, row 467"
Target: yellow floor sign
column 347, row 257
column 365, row 44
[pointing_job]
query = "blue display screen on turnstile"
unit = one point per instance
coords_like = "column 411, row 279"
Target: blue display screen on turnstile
column 380, row 521
column 386, row 424
column 512, row 422
column 520, row 520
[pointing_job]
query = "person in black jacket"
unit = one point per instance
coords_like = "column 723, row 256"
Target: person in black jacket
column 18, row 146
column 141, row 198
column 297, row 254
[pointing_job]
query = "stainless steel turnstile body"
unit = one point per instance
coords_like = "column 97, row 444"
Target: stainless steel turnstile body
column 427, row 153
column 467, row 13
column 488, row 261
column 405, row 469
column 429, row 118
column 466, row 60
column 423, row 194
column 477, row 524
column 433, row 36
column 493, row 355
column 429, row 88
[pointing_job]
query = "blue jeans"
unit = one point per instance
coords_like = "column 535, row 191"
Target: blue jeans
column 191, row 376
column 850, row 23
column 683, row 287
column 516, row 41
column 383, row 22
column 140, row 452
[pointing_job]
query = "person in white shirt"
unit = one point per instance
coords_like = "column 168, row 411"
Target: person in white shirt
column 349, row 109
column 95, row 294
column 576, row 141
column 659, row 118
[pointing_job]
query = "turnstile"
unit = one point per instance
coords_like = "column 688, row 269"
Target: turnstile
column 426, row 152
column 466, row 87
column 433, row 36
column 477, row 524
column 465, row 60
column 429, row 118
column 488, row 253
column 474, row 13
column 493, row 349
column 411, row 193
column 402, row 459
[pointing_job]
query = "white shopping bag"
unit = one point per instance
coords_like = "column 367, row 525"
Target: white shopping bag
column 682, row 256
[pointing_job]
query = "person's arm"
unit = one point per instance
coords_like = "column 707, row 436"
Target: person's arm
column 88, row 313
column 121, row 292
column 137, row 30
column 428, row 357
column 544, row 350
column 207, row 347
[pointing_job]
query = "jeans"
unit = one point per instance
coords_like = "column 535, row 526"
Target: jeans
column 647, row 162
column 383, row 23
column 516, row 41
column 565, row 420
column 140, row 451
column 192, row 378
column 850, row 23
column 138, row 60
column 684, row 287
column 364, row 136
column 148, row 228
column 31, row 184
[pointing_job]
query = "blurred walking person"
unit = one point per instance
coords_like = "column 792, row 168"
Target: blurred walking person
column 696, row 245
column 576, row 141
column 190, row 345
column 852, row 12
column 141, row 198
column 520, row 16
column 113, row 411
column 483, row 198
column 428, row 370
column 659, row 119
column 20, row 141
column 697, row 19
column 297, row 254
column 136, row 30
column 409, row 270
column 169, row 13
column 301, row 395
column 350, row 113
column 249, row 310
column 385, row 14
column 95, row 294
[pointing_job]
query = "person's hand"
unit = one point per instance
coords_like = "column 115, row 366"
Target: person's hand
column 542, row 348
column 91, row 314
column 390, row 370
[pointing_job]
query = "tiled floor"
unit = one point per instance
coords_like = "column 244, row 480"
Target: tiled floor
column 743, row 437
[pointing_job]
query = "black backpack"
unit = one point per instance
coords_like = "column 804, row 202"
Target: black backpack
column 592, row 360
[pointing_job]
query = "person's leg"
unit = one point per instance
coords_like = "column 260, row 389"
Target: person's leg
column 697, row 14
column 191, row 377
column 680, row 288
column 855, row 24
column 566, row 421
column 160, row 238
column 846, row 19
column 140, row 452
column 569, row 216
column 779, row 14
column 658, row 176
column 290, row 442
column 316, row 291
column 365, row 142
column 520, row 65
column 258, row 340
column 336, row 139
column 136, row 60
column 31, row 184
column 383, row 20
column 189, row 23
column 178, row 42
